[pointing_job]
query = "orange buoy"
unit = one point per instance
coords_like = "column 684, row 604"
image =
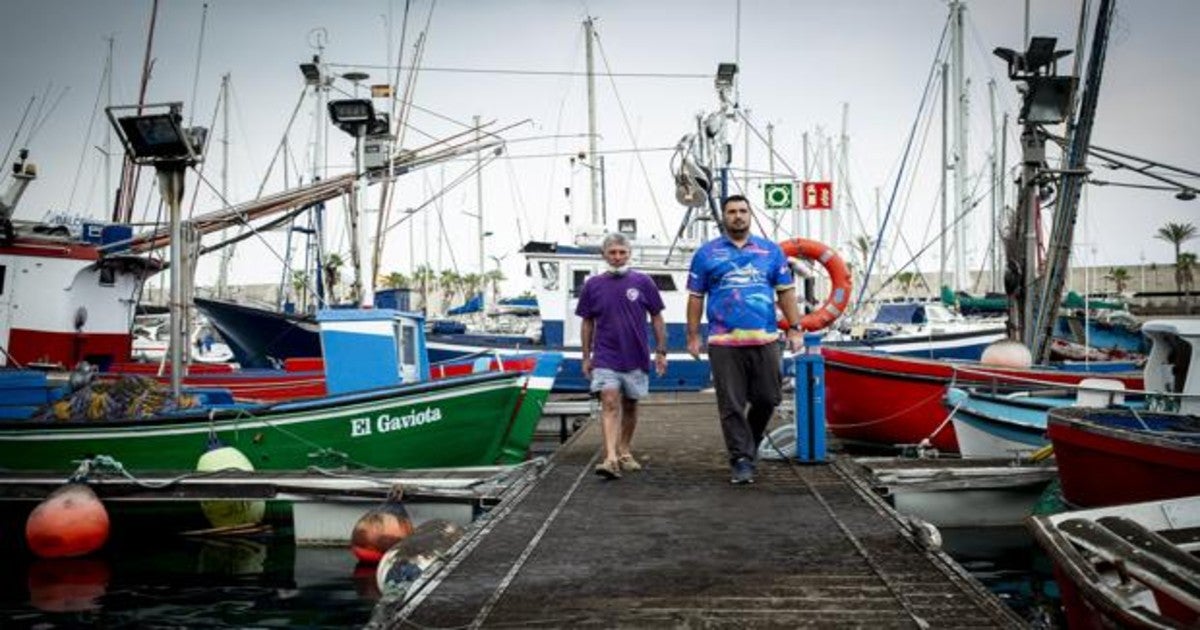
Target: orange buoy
column 379, row 529
column 68, row 584
column 839, row 279
column 70, row 522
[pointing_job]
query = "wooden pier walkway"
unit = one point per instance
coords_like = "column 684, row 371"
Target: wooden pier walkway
column 676, row 545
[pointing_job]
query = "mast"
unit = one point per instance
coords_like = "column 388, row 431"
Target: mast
column 123, row 211
column 479, row 196
column 108, row 72
column 1063, row 232
column 960, row 146
column 589, row 34
column 226, row 253
column 943, row 237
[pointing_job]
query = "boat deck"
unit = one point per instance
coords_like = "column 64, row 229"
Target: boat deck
column 677, row 545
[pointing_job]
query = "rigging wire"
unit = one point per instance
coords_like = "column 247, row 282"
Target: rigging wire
column 929, row 82
column 199, row 57
column 542, row 73
column 13, row 143
column 629, row 129
column 87, row 136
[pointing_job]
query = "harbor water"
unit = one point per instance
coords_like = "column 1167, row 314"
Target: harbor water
column 267, row 581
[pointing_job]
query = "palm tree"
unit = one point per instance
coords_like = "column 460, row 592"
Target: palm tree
column 1176, row 234
column 1183, row 272
column 299, row 286
column 333, row 270
column 448, row 281
column 395, row 280
column 1119, row 276
column 906, row 280
column 424, row 278
column 495, row 277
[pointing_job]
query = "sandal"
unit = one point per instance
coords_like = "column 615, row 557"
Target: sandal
column 628, row 463
column 608, row 469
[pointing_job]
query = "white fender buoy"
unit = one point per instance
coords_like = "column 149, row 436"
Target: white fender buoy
column 229, row 512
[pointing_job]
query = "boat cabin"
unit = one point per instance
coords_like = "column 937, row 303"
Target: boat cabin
column 370, row 348
column 1175, row 348
column 558, row 273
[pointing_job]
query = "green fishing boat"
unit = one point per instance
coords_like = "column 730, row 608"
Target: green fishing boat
column 476, row 419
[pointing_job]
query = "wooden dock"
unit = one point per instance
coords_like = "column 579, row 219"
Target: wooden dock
column 676, row 545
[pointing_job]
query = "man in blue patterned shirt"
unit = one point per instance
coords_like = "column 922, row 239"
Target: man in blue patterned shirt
column 743, row 277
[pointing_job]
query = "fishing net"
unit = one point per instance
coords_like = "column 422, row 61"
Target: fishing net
column 126, row 398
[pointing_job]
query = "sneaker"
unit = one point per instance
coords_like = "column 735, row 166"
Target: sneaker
column 628, row 463
column 743, row 472
column 609, row 469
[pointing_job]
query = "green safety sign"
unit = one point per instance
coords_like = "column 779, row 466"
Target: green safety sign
column 778, row 196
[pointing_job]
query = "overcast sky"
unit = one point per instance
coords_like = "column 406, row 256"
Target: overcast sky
column 803, row 64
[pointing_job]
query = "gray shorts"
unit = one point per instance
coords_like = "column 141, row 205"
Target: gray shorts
column 633, row 385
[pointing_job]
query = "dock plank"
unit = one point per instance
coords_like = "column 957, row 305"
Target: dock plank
column 676, row 545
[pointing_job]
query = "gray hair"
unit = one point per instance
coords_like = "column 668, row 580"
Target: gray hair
column 613, row 238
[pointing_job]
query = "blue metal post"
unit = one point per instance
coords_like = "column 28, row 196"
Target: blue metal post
column 810, row 402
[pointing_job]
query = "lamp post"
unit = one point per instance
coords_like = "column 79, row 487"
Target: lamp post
column 154, row 136
column 356, row 116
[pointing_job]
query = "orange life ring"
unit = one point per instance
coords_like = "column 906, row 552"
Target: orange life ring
column 839, row 277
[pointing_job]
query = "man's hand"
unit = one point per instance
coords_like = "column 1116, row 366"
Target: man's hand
column 587, row 368
column 660, row 364
column 693, row 345
column 795, row 340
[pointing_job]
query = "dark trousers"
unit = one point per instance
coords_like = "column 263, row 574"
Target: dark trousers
column 745, row 375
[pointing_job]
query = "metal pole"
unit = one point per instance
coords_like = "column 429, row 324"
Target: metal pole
column 479, row 196
column 603, row 197
column 170, row 183
column 589, row 34
column 1034, row 153
column 771, row 174
column 943, row 237
column 227, row 252
column 804, row 159
column 357, row 292
column 960, row 149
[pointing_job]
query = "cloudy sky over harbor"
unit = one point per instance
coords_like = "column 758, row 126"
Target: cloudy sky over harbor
column 520, row 63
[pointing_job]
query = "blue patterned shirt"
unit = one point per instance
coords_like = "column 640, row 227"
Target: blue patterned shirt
column 741, row 284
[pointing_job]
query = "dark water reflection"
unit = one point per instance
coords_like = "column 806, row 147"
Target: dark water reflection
column 184, row 582
column 1010, row 564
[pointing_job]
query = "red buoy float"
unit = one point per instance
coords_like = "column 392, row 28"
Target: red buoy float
column 70, row 522
column 839, row 279
column 379, row 529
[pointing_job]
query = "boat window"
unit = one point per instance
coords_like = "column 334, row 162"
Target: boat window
column 549, row 273
column 408, row 343
column 664, row 281
column 108, row 276
column 3, row 273
column 578, row 277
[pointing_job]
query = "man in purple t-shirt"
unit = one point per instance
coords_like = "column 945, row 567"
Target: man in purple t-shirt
column 616, row 351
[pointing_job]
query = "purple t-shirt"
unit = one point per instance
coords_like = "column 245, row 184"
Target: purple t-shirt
column 620, row 305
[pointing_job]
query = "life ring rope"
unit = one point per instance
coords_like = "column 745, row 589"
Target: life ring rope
column 839, row 277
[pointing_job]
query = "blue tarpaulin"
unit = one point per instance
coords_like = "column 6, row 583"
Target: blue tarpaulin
column 473, row 305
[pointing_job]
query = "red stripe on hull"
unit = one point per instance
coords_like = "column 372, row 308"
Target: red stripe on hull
column 886, row 399
column 49, row 249
column 67, row 349
column 1099, row 470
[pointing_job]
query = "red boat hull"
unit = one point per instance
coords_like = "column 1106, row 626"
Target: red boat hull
column 1101, row 465
column 895, row 400
column 301, row 377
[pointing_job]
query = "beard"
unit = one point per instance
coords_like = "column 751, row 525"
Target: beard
column 618, row 271
column 737, row 232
